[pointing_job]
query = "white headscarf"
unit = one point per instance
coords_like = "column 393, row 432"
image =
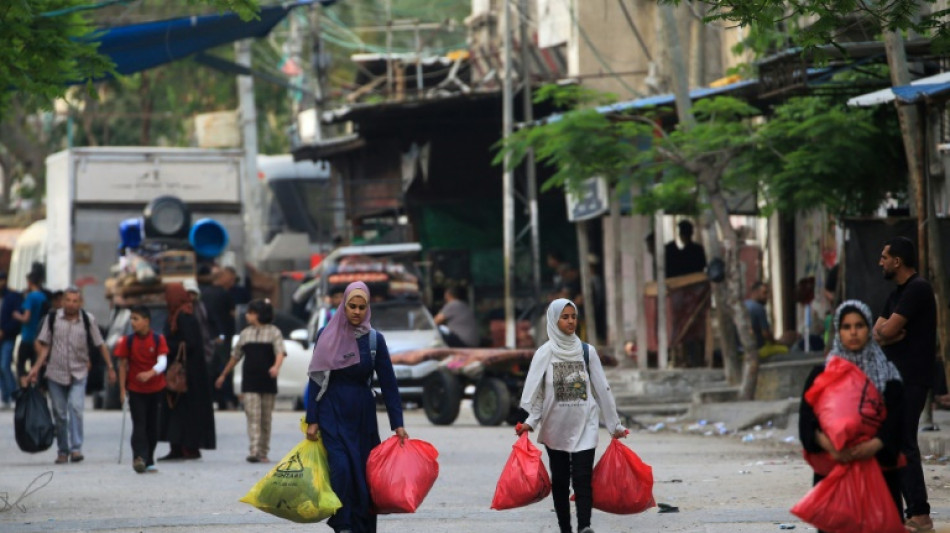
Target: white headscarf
column 870, row 359
column 560, row 345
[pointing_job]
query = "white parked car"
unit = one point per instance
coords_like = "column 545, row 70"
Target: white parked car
column 293, row 371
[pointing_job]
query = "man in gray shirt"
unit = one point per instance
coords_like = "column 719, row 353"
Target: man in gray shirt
column 457, row 321
column 66, row 336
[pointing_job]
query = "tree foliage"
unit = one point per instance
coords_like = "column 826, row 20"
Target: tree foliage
column 46, row 45
column 807, row 152
column 822, row 22
column 40, row 53
column 814, row 151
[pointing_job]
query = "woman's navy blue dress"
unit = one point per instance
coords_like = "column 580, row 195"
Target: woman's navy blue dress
column 346, row 415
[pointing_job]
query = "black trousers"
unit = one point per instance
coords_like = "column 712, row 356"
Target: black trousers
column 913, row 486
column 566, row 469
column 144, row 410
column 27, row 352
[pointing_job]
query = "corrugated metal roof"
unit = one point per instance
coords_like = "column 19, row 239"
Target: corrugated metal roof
column 911, row 94
column 660, row 99
column 887, row 95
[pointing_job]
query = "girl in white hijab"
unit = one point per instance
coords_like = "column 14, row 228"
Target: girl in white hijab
column 565, row 398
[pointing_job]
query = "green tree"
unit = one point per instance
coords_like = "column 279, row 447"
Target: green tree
column 48, row 44
column 729, row 148
column 827, row 22
column 143, row 108
column 814, row 23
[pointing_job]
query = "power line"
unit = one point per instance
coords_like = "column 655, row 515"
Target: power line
column 597, row 54
column 636, row 32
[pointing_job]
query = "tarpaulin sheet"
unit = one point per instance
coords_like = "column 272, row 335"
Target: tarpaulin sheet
column 137, row 47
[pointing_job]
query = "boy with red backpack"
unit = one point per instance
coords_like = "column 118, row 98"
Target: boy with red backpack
column 142, row 357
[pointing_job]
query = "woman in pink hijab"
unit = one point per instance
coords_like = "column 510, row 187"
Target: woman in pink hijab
column 341, row 409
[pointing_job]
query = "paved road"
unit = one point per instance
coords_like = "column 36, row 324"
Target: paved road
column 720, row 484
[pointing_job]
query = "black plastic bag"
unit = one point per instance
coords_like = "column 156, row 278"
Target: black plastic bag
column 32, row 421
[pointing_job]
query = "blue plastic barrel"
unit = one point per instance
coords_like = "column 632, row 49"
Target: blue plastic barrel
column 130, row 233
column 208, row 237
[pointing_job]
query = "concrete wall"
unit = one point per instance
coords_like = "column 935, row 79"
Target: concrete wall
column 602, row 41
column 786, row 378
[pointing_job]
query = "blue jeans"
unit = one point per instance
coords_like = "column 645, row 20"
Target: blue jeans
column 68, row 403
column 7, row 381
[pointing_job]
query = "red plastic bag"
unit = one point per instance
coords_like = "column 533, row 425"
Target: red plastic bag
column 400, row 476
column 524, row 480
column 621, row 482
column 854, row 498
column 848, row 406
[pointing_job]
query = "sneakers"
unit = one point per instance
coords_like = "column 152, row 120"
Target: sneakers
column 151, row 469
column 586, row 530
column 253, row 459
column 62, row 459
column 138, row 465
column 75, row 457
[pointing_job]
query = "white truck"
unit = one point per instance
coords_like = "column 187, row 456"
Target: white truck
column 90, row 191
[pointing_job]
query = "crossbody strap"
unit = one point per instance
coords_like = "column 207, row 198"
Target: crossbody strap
column 586, row 358
column 372, row 354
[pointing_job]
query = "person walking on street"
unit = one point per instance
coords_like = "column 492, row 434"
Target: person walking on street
column 65, row 338
column 261, row 345
column 220, row 308
column 341, row 408
column 142, row 357
column 30, row 315
column 853, row 343
column 907, row 330
column 565, row 392
column 186, row 420
column 201, row 313
column 10, row 301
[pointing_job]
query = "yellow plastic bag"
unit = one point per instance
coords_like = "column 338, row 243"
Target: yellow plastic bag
column 298, row 488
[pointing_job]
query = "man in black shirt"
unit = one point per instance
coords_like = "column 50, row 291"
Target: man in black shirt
column 907, row 330
column 691, row 258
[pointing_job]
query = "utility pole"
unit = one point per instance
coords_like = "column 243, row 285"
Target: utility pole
column 616, row 332
column 529, row 166
column 508, row 190
column 668, row 29
column 292, row 49
column 662, row 329
column 419, row 83
column 251, row 197
column 590, row 318
column 320, row 66
column 389, row 48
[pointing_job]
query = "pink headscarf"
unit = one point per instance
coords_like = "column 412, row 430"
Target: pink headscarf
column 336, row 348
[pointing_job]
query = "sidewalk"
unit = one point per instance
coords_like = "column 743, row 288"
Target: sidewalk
column 774, row 420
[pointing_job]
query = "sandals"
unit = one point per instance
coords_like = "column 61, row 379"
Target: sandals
column 914, row 526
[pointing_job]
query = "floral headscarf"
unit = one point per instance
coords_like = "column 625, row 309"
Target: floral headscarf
column 870, row 359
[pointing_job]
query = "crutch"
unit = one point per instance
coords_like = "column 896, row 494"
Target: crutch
column 125, row 405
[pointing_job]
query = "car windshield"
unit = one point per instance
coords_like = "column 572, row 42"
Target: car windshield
column 401, row 316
